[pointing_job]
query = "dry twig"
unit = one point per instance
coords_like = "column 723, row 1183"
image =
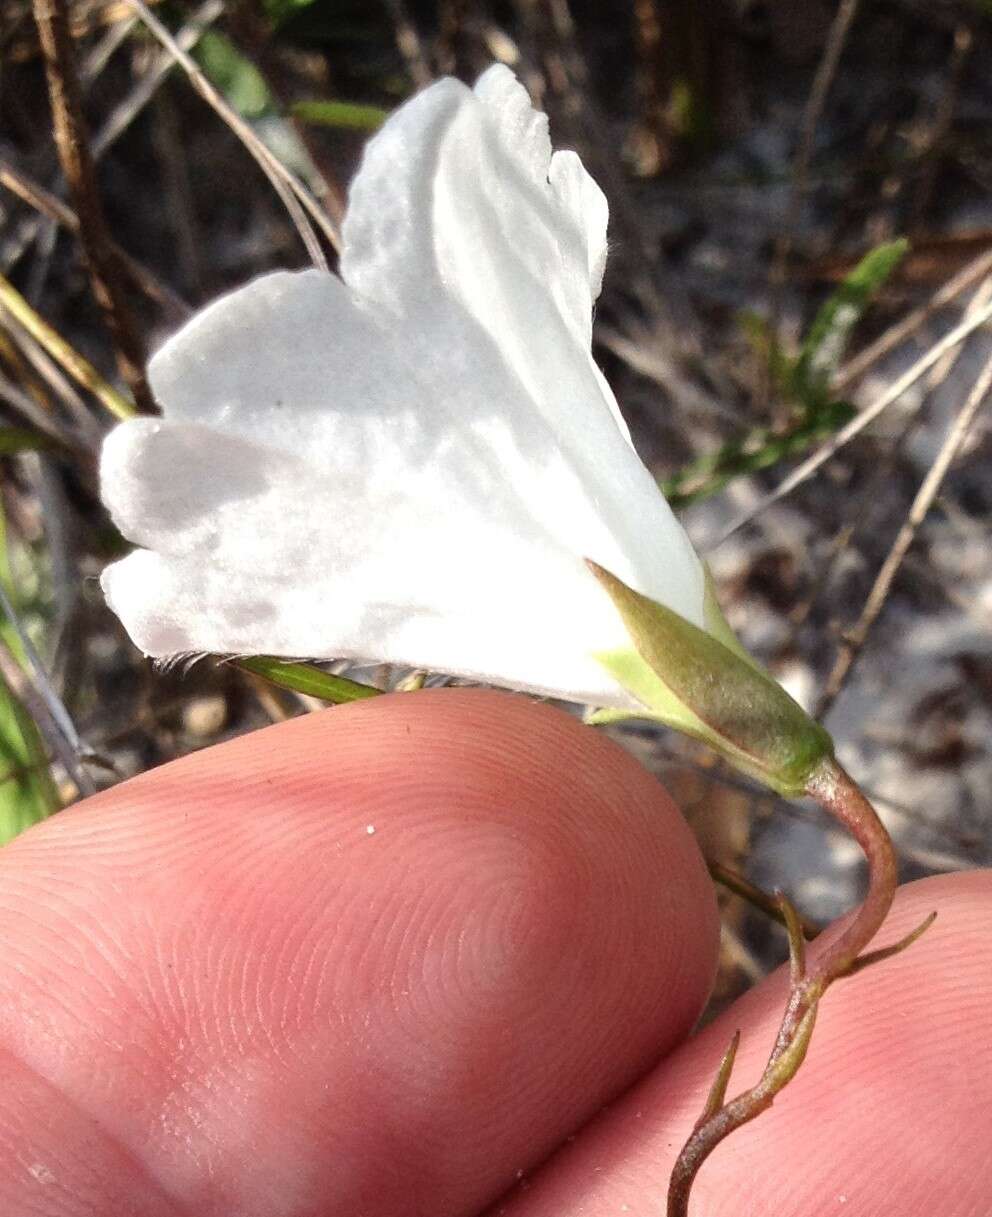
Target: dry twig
column 72, row 142
column 856, row 637
column 856, row 367
column 52, row 207
column 825, row 72
column 296, row 198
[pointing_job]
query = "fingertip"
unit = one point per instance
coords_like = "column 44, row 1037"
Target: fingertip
column 451, row 924
column 887, row 1115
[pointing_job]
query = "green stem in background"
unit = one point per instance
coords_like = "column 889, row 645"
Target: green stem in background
column 838, row 794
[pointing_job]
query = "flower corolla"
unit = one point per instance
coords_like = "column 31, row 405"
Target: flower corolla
column 413, row 462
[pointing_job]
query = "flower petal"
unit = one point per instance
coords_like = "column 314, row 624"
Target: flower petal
column 182, row 488
column 291, row 361
column 451, row 223
column 452, row 213
column 253, row 556
column 267, row 360
column 410, row 466
column 181, row 605
column 586, row 202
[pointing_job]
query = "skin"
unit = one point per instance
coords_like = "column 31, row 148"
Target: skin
column 386, row 960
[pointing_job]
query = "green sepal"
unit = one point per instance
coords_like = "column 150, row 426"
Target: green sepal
column 705, row 685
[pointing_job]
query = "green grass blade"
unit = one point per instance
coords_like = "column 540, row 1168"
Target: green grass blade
column 27, row 792
column 305, row 678
column 823, row 349
column 241, row 83
column 280, row 11
column 758, row 449
column 803, row 380
column 20, row 439
column 351, row 115
column 768, row 348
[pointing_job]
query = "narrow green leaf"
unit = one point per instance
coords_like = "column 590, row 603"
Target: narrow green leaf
column 20, row 439
column 758, row 449
column 280, row 11
column 718, row 1091
column 803, row 380
column 348, row 114
column 234, row 75
column 7, row 631
column 823, row 349
column 764, row 343
column 22, row 579
column 27, row 792
column 305, row 678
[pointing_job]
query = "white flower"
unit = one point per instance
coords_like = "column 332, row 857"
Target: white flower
column 412, row 462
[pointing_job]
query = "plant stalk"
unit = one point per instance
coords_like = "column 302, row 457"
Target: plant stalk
column 72, row 142
column 838, row 794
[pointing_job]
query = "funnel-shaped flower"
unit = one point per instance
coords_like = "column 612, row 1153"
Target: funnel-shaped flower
column 410, row 463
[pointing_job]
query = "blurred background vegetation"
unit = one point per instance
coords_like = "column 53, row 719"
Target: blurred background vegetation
column 800, row 274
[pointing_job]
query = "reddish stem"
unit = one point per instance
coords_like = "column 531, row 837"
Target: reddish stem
column 834, row 790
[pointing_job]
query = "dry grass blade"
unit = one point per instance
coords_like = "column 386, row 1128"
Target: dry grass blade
column 822, row 81
column 856, row 637
column 72, row 142
column 53, row 703
column 409, row 44
column 945, row 366
column 860, row 421
column 37, row 419
column 92, row 64
column 647, row 352
column 767, row 904
column 296, row 198
column 128, row 110
column 42, row 377
column 79, row 368
column 861, row 510
column 52, row 207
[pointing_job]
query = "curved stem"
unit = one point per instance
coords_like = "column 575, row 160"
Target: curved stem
column 840, row 795
column 834, row 790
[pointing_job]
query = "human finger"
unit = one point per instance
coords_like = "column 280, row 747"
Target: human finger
column 888, row 1117
column 376, row 960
